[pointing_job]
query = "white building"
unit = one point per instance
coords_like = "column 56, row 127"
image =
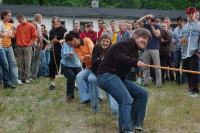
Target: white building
column 70, row 15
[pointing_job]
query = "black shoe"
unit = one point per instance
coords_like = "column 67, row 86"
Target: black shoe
column 70, row 98
column 9, row 86
column 52, row 87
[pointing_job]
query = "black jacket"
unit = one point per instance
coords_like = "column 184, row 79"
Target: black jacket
column 97, row 56
column 120, row 58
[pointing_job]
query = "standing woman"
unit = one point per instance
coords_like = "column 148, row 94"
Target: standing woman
column 56, row 34
column 7, row 34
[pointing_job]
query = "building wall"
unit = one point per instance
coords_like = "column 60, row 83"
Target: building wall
column 69, row 21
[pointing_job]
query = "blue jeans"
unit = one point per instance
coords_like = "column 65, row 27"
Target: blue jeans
column 177, row 63
column 10, row 57
column 113, row 105
column 88, row 88
column 131, row 112
column 1, row 75
column 5, row 67
column 44, row 65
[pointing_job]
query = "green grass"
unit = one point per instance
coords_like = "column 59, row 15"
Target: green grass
column 31, row 108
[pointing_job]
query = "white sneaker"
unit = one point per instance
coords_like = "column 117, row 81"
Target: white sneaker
column 194, row 95
column 27, row 81
column 19, row 82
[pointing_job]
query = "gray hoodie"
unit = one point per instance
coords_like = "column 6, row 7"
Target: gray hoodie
column 191, row 31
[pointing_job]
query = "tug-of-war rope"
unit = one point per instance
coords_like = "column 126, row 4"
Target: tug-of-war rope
column 173, row 69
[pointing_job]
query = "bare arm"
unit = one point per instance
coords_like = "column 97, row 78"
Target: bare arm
column 156, row 32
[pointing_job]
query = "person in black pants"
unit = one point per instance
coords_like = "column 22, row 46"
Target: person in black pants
column 56, row 34
column 70, row 67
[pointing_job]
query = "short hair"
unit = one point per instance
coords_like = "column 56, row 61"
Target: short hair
column 43, row 26
column 143, row 32
column 72, row 35
column 4, row 13
column 89, row 25
column 37, row 17
column 20, row 16
column 112, row 21
column 179, row 19
column 105, row 35
column 55, row 18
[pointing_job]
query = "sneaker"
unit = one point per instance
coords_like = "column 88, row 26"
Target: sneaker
column 27, row 81
column 52, row 87
column 19, row 82
column 138, row 128
column 193, row 94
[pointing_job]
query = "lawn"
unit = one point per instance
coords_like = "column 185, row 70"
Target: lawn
column 32, row 108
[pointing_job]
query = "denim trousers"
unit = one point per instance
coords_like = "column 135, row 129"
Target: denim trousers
column 1, row 75
column 70, row 73
column 132, row 100
column 5, row 67
column 88, row 88
column 35, row 63
column 10, row 57
column 44, row 63
column 113, row 105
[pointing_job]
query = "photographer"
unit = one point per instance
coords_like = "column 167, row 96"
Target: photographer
column 152, row 49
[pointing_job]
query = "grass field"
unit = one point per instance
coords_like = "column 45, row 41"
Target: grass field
column 31, row 108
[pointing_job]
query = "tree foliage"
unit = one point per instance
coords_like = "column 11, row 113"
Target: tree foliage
column 137, row 4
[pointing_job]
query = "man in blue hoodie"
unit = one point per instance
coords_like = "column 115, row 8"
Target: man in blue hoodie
column 190, row 49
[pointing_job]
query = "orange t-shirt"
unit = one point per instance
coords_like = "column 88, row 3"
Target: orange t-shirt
column 25, row 33
column 8, row 29
column 85, row 50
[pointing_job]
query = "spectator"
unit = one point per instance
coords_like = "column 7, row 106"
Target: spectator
column 164, row 48
column 38, row 45
column 123, row 33
column 190, row 50
column 7, row 33
column 44, row 53
column 25, row 40
column 56, row 34
column 176, row 37
column 152, row 49
column 113, row 31
column 91, row 33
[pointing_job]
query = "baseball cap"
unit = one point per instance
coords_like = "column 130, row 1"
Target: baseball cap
column 190, row 10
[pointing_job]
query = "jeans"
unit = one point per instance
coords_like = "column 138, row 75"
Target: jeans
column 5, row 67
column 35, row 63
column 131, row 112
column 1, row 75
column 10, row 57
column 88, row 88
column 177, row 63
column 113, row 105
column 70, row 73
column 44, row 65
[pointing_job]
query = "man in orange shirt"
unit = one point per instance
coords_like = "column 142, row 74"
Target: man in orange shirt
column 86, row 79
column 26, row 36
column 6, row 33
